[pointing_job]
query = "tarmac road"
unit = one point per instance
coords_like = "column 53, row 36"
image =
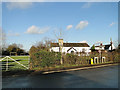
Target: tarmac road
column 103, row 77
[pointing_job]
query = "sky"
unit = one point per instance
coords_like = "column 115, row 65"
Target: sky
column 29, row 22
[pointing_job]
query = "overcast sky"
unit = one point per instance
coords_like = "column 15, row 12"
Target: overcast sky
column 27, row 23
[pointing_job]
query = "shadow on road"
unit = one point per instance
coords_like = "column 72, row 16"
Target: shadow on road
column 105, row 77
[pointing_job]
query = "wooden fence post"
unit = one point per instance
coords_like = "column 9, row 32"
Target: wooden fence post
column 7, row 64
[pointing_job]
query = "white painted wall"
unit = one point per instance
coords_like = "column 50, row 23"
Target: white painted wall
column 113, row 47
column 55, row 49
column 98, row 48
column 64, row 49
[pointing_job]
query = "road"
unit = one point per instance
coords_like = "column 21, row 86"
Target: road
column 104, row 77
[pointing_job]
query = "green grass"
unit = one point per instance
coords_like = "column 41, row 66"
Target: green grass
column 15, row 66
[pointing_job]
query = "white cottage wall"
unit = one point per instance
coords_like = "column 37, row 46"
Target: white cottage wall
column 65, row 49
column 113, row 47
column 56, row 49
column 98, row 48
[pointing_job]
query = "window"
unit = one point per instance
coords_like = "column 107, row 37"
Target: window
column 72, row 52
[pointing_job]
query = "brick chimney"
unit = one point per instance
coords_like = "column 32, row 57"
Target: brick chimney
column 60, row 42
column 101, row 44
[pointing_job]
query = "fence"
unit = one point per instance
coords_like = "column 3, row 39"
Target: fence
column 14, row 63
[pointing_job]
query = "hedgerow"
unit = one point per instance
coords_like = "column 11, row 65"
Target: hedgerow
column 44, row 58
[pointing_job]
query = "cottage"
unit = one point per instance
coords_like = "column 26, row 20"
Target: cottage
column 108, row 47
column 70, row 47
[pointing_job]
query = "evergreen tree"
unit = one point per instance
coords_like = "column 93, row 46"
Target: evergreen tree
column 93, row 48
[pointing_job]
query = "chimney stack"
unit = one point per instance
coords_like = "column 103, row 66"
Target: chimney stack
column 60, row 41
column 101, row 44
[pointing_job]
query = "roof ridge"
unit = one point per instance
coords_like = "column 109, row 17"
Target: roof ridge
column 71, row 44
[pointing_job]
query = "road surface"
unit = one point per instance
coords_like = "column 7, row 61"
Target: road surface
column 104, row 77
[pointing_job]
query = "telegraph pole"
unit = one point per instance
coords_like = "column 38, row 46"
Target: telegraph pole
column 111, row 43
column 60, row 49
column 100, row 51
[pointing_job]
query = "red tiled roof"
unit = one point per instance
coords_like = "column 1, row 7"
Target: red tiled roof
column 70, row 45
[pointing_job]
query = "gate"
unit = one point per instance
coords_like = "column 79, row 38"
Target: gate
column 14, row 63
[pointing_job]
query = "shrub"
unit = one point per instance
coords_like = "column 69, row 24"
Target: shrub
column 93, row 48
column 70, row 59
column 116, row 57
column 45, row 58
column 32, row 52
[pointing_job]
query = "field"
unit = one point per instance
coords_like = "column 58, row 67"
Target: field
column 23, row 61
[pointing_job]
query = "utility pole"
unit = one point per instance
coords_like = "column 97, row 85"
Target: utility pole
column 7, row 64
column 111, row 43
column 111, row 49
column 60, row 48
column 100, row 50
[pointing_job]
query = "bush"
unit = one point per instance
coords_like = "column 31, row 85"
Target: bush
column 32, row 52
column 70, row 59
column 116, row 57
column 45, row 58
column 42, row 58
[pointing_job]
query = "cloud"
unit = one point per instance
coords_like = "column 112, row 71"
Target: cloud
column 20, row 5
column 37, row 30
column 82, row 25
column 83, row 42
column 111, row 24
column 69, row 27
column 87, row 5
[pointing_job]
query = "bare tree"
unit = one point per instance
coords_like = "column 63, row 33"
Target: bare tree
column 59, row 34
column 45, row 43
column 2, row 40
column 20, row 46
column 115, row 42
column 98, row 43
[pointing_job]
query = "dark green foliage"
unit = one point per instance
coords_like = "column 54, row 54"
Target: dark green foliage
column 13, row 48
column 93, row 48
column 118, row 49
column 44, row 58
column 32, row 52
column 71, row 58
column 5, row 52
column 119, row 46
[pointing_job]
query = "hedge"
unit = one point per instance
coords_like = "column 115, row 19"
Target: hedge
column 44, row 58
